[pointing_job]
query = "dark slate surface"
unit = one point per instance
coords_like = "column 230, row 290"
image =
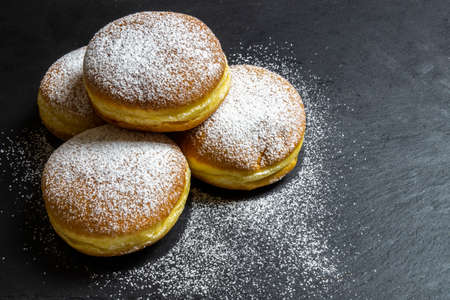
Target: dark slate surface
column 388, row 61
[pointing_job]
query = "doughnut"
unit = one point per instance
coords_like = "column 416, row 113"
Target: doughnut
column 156, row 71
column 63, row 103
column 109, row 191
column 255, row 136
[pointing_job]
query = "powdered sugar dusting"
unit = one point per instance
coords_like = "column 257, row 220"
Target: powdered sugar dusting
column 110, row 180
column 155, row 59
column 271, row 243
column 260, row 122
column 63, row 86
column 23, row 154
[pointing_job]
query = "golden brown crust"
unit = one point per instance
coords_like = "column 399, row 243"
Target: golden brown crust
column 261, row 121
column 162, row 127
column 123, row 244
column 184, row 61
column 64, row 105
column 108, row 181
column 61, row 134
column 248, row 186
column 62, row 122
column 62, row 86
column 164, row 121
column 85, row 225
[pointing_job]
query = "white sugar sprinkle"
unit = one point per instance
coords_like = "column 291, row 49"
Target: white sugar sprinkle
column 63, row 86
column 260, row 122
column 157, row 59
column 273, row 243
column 114, row 180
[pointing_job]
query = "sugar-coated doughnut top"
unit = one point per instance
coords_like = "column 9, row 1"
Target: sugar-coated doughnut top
column 155, row 60
column 109, row 181
column 62, row 86
column 260, row 122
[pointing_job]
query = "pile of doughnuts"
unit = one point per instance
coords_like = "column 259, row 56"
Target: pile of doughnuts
column 115, row 188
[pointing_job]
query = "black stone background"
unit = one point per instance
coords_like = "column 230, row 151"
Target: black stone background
column 389, row 61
